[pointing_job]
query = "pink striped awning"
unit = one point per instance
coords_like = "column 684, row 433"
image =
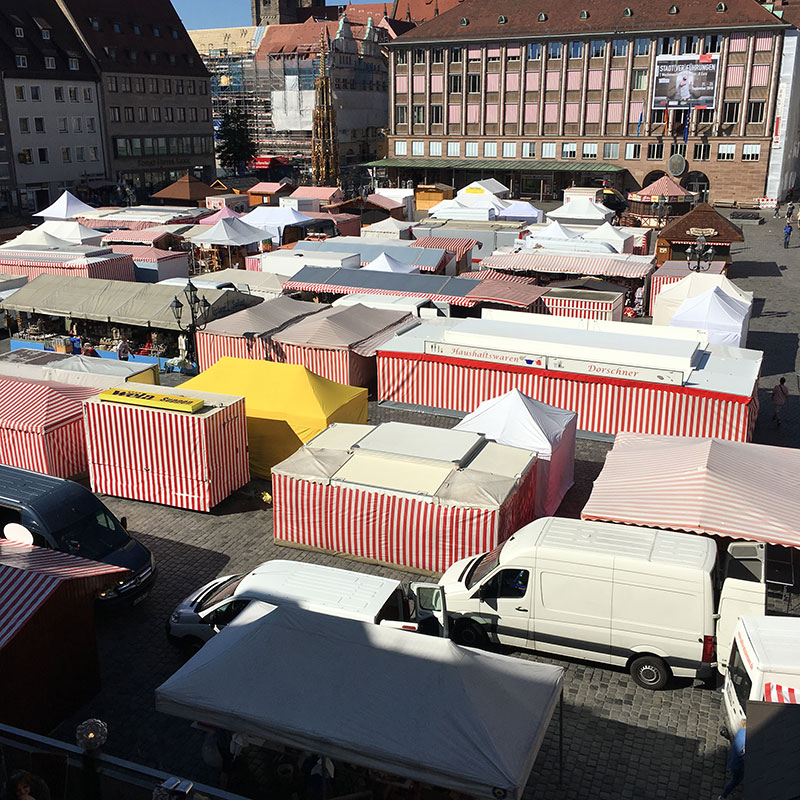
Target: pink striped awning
column 38, row 406
column 712, row 486
column 775, row 693
column 147, row 253
column 510, row 294
column 328, row 288
column 622, row 266
column 454, row 245
column 134, row 237
column 494, row 275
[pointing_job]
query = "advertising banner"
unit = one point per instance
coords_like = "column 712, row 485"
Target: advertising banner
column 685, row 82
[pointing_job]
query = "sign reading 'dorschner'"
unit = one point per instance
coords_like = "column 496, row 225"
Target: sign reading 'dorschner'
column 170, row 401
column 628, row 373
column 483, row 354
column 683, row 82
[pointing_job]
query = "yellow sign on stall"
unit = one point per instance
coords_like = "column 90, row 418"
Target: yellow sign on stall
column 151, row 400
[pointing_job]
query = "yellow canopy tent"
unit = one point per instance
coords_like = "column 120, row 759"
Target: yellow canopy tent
column 287, row 405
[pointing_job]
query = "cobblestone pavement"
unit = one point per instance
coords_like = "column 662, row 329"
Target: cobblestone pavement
column 620, row 741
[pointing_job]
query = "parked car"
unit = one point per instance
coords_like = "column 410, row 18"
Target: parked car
column 63, row 515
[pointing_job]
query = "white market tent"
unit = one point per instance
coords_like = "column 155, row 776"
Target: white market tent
column 671, row 297
column 581, row 211
column 521, row 210
column 389, row 228
column 486, row 186
column 230, row 231
column 553, row 230
column 386, row 263
column 621, row 242
column 37, row 238
column 66, row 207
column 274, row 219
column 520, row 421
column 724, row 318
column 474, row 720
column 58, row 233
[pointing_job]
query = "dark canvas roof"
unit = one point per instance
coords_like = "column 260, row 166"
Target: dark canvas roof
column 188, row 188
column 702, row 216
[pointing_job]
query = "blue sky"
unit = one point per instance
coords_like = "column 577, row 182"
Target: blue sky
column 216, row 14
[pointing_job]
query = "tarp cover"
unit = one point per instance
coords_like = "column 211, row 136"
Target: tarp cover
column 724, row 318
column 286, row 405
column 263, row 319
column 66, row 207
column 386, row 263
column 515, row 419
column 230, row 231
column 416, row 706
column 746, row 491
column 671, row 297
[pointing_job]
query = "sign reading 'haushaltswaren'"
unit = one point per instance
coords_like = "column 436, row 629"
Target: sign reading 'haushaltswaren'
column 152, row 400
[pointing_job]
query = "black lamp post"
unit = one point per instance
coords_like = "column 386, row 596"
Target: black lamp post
column 198, row 307
column 661, row 211
column 699, row 255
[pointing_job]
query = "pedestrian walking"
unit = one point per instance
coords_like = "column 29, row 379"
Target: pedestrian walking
column 777, row 209
column 789, row 211
column 780, row 397
column 123, row 350
column 787, row 234
column 735, row 762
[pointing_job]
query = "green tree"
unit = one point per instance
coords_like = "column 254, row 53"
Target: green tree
column 235, row 145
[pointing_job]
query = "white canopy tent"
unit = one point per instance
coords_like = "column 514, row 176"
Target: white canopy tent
column 56, row 233
column 581, row 211
column 520, row 421
column 553, row 230
column 621, row 242
column 485, row 186
column 389, row 228
column 66, row 207
column 468, row 720
column 671, row 297
column 726, row 319
column 386, row 263
column 521, row 210
column 273, row 219
column 230, row 231
column 37, row 238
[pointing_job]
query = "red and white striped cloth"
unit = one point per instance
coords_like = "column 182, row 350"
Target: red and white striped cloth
column 580, row 309
column 134, row 237
column 341, row 365
column 622, row 266
column 185, row 460
column 459, row 246
column 115, row 267
column 212, row 347
column 603, row 405
column 325, row 288
column 775, row 693
column 657, row 283
column 496, row 275
column 721, row 488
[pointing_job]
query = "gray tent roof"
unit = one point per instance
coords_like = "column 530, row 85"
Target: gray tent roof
column 265, row 318
column 429, row 257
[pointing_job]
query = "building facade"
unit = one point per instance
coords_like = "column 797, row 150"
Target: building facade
column 563, row 95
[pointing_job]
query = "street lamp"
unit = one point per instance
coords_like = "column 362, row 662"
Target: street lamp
column 661, row 211
column 198, row 307
column 699, row 255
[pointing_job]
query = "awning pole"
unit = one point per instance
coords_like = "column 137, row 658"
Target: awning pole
column 561, row 737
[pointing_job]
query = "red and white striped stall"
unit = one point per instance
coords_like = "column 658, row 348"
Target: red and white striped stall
column 248, row 333
column 715, row 396
column 674, row 271
column 185, row 459
column 622, row 265
column 339, row 343
column 101, row 263
column 41, row 426
column 401, row 494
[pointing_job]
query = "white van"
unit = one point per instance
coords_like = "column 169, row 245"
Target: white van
column 616, row 594
column 313, row 587
column 764, row 665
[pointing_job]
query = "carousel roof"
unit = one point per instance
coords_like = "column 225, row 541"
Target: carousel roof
column 664, row 187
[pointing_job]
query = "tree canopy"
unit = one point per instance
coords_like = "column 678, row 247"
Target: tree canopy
column 235, row 145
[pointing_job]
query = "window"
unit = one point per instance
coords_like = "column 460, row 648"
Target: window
column 534, row 51
column 138, row 85
column 49, row 62
column 576, row 49
column 87, row 94
column 166, row 86
column 174, row 33
column 22, row 62
column 58, row 94
column 454, row 149
column 94, row 153
column 513, row 55
column 569, row 150
column 610, row 151
column 506, row 583
column 95, row 23
column 19, row 93
column 473, row 83
column 713, row 44
column 400, row 115
column 417, row 148
column 455, row 55
column 26, row 156
column 665, row 45
column 401, row 148
column 493, row 56
column 689, row 44
column 554, row 49
column 45, row 33
column 169, row 114
column 66, row 155
column 641, row 47
column 597, row 48
column 19, row 33
column 155, row 114
column 73, row 64
column 704, row 115
column 178, row 86
column 38, row 124
column 490, row 149
column 36, row 94
column 125, row 84
column 142, row 114
column 114, row 114
column 204, row 114
column 454, row 84
column 677, row 149
column 137, row 30
column 471, row 149
column 755, row 112
column 91, row 125
column 192, row 114
column 112, row 84
column 589, row 150
column 152, row 85
column 751, row 152
column 24, row 125
column 702, row 151
column 80, row 154
column 548, row 150
column 73, row 94
column 529, row 149
column 639, row 79
column 43, row 155
column 655, row 151
column 62, row 124
column 726, row 152
column 402, row 57
column 418, row 115
column 435, row 149
column 419, row 55
column 190, row 87
column 619, row 47
column 128, row 114
column 730, row 112
column 180, row 114
column 633, row 151
column 509, row 149
column 657, row 116
column 437, row 115
column 115, row 27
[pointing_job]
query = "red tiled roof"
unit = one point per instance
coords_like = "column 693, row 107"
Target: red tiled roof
column 563, row 19
column 411, row 10
column 301, row 38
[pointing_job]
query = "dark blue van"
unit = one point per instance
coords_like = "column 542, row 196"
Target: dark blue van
column 65, row 516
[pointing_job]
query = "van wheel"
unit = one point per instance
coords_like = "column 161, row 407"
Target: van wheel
column 470, row 634
column 651, row 672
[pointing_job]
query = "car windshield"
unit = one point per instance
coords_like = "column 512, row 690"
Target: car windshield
column 219, row 592
column 94, row 536
column 483, row 566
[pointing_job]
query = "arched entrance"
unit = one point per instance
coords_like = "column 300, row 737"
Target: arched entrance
column 652, row 177
column 698, row 182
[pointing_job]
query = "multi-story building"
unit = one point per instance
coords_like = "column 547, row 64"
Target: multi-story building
column 53, row 139
column 622, row 91
column 154, row 93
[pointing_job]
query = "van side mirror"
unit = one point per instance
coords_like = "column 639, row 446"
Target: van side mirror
column 124, row 522
column 483, row 591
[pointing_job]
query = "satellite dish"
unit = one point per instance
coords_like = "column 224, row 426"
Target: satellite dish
column 676, row 165
column 15, row 532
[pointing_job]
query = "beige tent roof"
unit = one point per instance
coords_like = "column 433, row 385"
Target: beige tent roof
column 265, row 318
column 671, row 297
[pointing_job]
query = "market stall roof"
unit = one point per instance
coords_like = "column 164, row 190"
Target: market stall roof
column 582, row 209
column 390, row 225
column 386, row 263
column 724, row 318
column 456, row 245
column 274, row 216
column 701, row 219
column 230, row 231
column 36, row 240
column 36, row 406
column 66, row 207
column 712, row 486
column 681, row 268
column 426, row 258
column 664, row 187
column 146, row 253
column 507, row 293
column 608, row 233
column 621, row 265
column 592, row 284
column 270, row 187
column 522, row 210
column 553, row 230
column 187, row 188
column 226, row 212
column 55, row 232
column 345, row 684
column 264, row 319
column 489, row 185
column 672, row 296
column 248, row 281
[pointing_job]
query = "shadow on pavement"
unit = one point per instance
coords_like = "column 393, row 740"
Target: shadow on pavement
column 780, row 351
column 754, row 269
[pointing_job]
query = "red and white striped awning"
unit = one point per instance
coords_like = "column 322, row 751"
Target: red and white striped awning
column 38, row 406
column 327, row 288
column 775, row 693
column 510, row 294
column 496, row 275
column 454, row 245
column 712, row 486
column 622, row 266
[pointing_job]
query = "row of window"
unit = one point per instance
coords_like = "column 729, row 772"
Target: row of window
column 79, row 125
column 43, row 154
column 157, row 114
column 19, row 31
column 569, row 150
column 49, row 62
column 134, row 27
column 75, row 93
column 150, row 55
column 162, row 145
column 180, row 86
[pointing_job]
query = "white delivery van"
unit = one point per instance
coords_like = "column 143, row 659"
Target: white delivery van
column 313, row 587
column 616, row 594
column 764, row 664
